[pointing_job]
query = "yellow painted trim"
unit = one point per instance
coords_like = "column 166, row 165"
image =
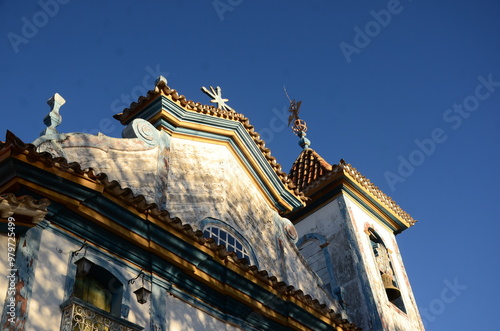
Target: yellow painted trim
column 361, row 193
column 378, row 211
column 234, row 137
column 370, row 214
column 60, row 172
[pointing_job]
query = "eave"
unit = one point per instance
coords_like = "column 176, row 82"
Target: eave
column 179, row 117
column 345, row 179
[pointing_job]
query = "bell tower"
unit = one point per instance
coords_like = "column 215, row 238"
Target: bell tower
column 347, row 233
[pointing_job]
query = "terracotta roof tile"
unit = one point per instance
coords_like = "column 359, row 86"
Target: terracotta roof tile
column 161, row 88
column 374, row 190
column 310, row 170
column 308, row 167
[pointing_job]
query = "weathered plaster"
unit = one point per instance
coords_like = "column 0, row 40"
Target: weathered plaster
column 206, row 180
column 57, row 275
column 332, row 221
column 392, row 317
column 342, row 221
column 139, row 161
column 24, row 278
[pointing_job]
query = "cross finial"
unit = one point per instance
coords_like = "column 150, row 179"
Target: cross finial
column 53, row 118
column 216, row 94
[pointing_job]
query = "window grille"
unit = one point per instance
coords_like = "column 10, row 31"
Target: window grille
column 223, row 237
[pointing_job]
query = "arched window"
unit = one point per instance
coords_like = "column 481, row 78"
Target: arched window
column 313, row 248
column 100, row 288
column 384, row 264
column 224, row 234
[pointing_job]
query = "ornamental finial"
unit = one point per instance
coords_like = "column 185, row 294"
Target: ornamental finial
column 216, row 94
column 161, row 79
column 53, row 118
column 299, row 126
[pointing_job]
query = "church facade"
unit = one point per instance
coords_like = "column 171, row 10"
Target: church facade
column 189, row 223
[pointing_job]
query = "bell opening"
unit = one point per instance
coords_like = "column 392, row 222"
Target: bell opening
column 392, row 291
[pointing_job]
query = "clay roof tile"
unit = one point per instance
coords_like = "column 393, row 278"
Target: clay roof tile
column 161, row 88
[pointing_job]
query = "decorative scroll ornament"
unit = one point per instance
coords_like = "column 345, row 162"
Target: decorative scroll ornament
column 216, row 94
column 143, row 130
column 291, row 232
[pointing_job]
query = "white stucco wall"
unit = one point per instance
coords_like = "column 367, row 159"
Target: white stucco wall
column 54, row 265
column 131, row 162
column 48, row 292
column 392, row 317
column 338, row 224
column 330, row 222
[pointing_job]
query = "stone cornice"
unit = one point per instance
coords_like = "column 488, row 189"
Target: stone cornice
column 330, row 181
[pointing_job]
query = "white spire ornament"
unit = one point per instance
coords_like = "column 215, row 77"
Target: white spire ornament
column 53, row 118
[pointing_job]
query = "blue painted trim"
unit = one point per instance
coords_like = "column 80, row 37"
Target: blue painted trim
column 200, row 294
column 381, row 219
column 218, row 122
column 335, row 188
column 228, row 228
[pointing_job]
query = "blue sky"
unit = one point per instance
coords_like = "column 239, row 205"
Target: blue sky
column 408, row 92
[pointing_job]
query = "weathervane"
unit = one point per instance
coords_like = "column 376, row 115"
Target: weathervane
column 299, row 126
column 216, row 94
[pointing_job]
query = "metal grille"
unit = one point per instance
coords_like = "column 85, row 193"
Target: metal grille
column 77, row 317
column 225, row 238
